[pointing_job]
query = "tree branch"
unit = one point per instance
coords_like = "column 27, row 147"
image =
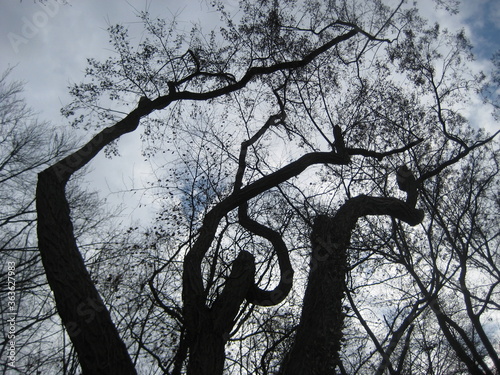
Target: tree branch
column 380, row 155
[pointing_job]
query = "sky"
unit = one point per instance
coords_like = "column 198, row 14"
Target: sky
column 49, row 45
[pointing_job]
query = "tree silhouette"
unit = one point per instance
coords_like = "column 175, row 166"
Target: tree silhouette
column 355, row 92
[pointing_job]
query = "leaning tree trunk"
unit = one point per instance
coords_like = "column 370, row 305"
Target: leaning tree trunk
column 319, row 334
column 88, row 323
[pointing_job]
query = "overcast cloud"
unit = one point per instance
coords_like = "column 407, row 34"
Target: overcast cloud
column 49, row 46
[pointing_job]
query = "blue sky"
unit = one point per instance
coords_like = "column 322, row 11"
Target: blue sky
column 49, row 46
column 482, row 18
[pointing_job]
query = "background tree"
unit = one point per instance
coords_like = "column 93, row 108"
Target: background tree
column 29, row 145
column 288, row 113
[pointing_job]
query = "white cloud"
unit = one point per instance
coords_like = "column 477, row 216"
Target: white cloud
column 54, row 42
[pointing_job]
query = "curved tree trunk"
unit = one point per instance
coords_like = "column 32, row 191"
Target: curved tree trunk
column 95, row 338
column 319, row 334
column 86, row 319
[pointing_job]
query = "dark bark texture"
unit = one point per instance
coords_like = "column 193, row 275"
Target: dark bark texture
column 319, row 335
column 208, row 340
column 87, row 320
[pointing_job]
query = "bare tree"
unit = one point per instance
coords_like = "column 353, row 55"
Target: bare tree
column 352, row 91
column 29, row 318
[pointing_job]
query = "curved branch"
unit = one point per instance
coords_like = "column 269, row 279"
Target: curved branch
column 74, row 291
column 380, row 155
column 193, row 294
column 69, row 165
column 452, row 161
column 319, row 333
column 364, row 205
column 251, row 73
column 156, row 297
column 256, row 295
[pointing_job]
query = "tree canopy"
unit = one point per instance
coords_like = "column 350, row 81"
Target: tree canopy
column 325, row 204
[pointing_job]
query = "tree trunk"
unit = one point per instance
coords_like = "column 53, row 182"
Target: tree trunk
column 209, row 328
column 319, row 334
column 206, row 352
column 95, row 338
